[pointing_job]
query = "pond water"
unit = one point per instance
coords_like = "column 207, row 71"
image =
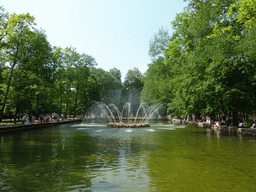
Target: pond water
column 92, row 157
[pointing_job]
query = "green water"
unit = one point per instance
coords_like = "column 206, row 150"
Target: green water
column 95, row 158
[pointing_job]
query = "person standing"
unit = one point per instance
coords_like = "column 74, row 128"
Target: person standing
column 47, row 118
column 55, row 116
column 27, row 121
column 24, row 119
column 41, row 117
column 227, row 120
column 217, row 124
column 33, row 119
column 253, row 126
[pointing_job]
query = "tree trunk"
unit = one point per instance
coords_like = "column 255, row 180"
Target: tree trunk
column 76, row 100
column 197, row 116
column 60, row 105
column 37, row 103
column 30, row 112
column 17, row 107
column 60, row 100
column 66, row 106
column 16, row 112
column 6, row 94
column 235, row 118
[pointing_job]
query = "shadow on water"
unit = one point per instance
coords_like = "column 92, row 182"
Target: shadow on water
column 64, row 158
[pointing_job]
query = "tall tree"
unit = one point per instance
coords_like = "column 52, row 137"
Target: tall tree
column 17, row 32
column 156, row 83
column 133, row 79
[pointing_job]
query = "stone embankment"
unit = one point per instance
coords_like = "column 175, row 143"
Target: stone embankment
column 223, row 128
column 34, row 126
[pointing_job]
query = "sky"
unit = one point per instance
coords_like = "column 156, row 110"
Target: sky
column 115, row 32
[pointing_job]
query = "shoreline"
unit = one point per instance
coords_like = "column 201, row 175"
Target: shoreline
column 14, row 128
column 223, row 128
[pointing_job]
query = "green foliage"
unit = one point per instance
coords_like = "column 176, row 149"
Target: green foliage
column 133, row 79
column 116, row 73
column 37, row 78
column 158, row 43
column 156, row 83
column 248, row 122
column 210, row 60
column 206, row 66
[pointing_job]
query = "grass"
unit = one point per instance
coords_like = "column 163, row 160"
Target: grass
column 9, row 123
column 5, row 123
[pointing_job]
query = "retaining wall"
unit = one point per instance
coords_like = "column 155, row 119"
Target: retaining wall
column 34, row 126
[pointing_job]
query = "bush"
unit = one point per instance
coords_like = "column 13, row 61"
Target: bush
column 248, row 122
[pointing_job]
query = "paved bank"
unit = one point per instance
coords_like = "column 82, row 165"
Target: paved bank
column 35, row 126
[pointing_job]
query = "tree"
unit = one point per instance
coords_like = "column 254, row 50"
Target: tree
column 17, row 32
column 3, row 25
column 73, row 78
column 156, row 83
column 33, row 73
column 116, row 73
column 133, row 79
column 133, row 84
column 209, row 61
column 108, row 87
column 159, row 43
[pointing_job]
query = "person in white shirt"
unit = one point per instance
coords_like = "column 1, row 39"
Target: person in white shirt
column 217, row 124
column 253, row 126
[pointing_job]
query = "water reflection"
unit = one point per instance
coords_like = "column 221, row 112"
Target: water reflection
column 96, row 158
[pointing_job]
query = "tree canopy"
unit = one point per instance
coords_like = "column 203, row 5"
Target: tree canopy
column 209, row 64
column 206, row 66
column 36, row 77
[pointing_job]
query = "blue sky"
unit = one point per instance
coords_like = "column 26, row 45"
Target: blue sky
column 115, row 32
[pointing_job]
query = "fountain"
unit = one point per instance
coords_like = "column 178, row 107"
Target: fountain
column 116, row 117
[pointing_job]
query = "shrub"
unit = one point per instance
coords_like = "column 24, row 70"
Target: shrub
column 248, row 122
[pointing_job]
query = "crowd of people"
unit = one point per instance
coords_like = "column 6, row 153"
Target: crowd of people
column 43, row 118
column 221, row 120
column 216, row 120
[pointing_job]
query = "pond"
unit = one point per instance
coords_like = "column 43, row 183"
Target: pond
column 92, row 157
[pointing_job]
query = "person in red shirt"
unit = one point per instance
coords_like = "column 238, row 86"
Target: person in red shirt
column 47, row 119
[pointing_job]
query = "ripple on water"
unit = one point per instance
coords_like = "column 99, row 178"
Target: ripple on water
column 89, row 125
column 81, row 128
column 166, row 128
column 103, row 185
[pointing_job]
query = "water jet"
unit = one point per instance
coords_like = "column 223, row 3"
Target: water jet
column 118, row 119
